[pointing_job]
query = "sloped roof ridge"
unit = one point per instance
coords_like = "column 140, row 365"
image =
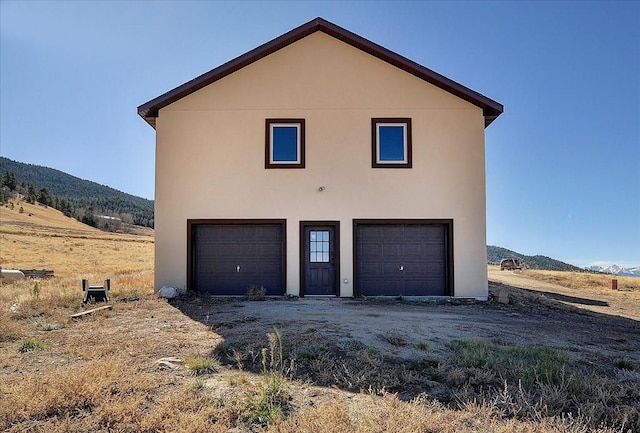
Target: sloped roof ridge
column 491, row 109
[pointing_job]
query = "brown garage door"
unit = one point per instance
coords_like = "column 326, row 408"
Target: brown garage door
column 408, row 258
column 227, row 258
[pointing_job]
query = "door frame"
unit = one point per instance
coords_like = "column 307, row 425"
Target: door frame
column 336, row 255
column 448, row 223
column 192, row 223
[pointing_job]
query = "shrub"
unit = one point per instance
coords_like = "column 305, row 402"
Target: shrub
column 35, row 291
column 394, row 338
column 31, row 344
column 275, row 349
column 198, row 385
column 308, row 352
column 256, row 293
column 531, row 365
column 270, row 403
column 624, row 364
column 424, row 346
column 541, row 360
column 353, row 345
column 199, row 365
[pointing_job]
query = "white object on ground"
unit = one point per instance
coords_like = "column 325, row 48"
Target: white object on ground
column 169, row 363
column 11, row 275
column 168, row 292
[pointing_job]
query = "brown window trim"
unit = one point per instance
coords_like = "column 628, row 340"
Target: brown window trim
column 374, row 143
column 267, row 147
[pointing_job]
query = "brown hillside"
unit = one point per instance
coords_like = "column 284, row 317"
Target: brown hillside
column 43, row 238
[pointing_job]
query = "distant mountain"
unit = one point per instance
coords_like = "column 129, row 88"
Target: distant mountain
column 85, row 195
column 495, row 254
column 617, row 270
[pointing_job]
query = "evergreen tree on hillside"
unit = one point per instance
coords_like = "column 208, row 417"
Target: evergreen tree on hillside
column 9, row 180
column 71, row 195
column 31, row 194
column 67, row 208
column 89, row 218
column 44, row 197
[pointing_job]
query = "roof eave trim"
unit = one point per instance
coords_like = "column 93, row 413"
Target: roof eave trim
column 149, row 110
column 491, row 109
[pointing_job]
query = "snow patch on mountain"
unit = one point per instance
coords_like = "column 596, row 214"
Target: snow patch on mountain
column 617, row 270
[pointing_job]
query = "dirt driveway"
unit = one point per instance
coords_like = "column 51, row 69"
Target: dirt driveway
column 401, row 329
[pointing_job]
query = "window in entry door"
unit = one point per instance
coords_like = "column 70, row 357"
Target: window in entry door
column 319, row 246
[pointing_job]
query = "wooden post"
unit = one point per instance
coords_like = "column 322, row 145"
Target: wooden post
column 614, row 284
column 84, row 313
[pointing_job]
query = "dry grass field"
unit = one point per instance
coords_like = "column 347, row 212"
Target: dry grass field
column 572, row 287
column 43, row 238
column 587, row 281
column 228, row 369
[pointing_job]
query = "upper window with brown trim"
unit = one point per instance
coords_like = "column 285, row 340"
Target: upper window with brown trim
column 391, row 143
column 284, row 144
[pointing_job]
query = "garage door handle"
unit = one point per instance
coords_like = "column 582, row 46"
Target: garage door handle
column 238, row 268
column 401, row 267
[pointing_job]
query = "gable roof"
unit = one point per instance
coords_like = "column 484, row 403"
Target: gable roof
column 490, row 108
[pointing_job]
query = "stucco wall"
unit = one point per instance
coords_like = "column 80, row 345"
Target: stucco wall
column 210, row 157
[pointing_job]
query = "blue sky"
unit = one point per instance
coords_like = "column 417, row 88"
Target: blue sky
column 563, row 161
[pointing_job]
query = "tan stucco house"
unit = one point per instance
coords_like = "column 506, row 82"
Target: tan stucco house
column 321, row 163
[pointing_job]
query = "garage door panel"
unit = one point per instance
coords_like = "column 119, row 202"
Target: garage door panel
column 379, row 287
column 372, row 235
column 415, row 271
column 389, row 268
column 228, row 258
column 434, row 272
column 390, row 234
column 376, row 287
column 415, row 251
column 408, row 259
column 371, row 249
column 391, row 251
column 371, row 269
